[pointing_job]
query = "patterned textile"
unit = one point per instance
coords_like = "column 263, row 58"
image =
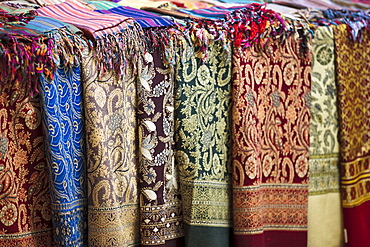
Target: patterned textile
column 63, row 126
column 202, row 135
column 160, row 204
column 324, row 203
column 353, row 80
column 25, row 215
column 271, row 117
column 111, row 146
column 47, row 2
column 144, row 18
column 19, row 4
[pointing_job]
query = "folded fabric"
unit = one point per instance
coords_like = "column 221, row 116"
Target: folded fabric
column 144, row 18
column 205, row 13
column 92, row 23
column 103, row 4
column 47, row 24
column 141, row 3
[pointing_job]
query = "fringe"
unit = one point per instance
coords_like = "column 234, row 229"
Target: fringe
column 357, row 22
column 173, row 41
column 256, row 25
column 23, row 59
column 68, row 47
column 120, row 50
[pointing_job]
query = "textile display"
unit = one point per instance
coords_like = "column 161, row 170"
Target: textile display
column 324, row 202
column 353, row 75
column 184, row 123
column 202, row 130
column 271, row 117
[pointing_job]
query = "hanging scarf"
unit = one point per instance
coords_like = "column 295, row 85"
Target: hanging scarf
column 202, row 134
column 352, row 70
column 271, row 117
column 25, row 215
column 64, row 132
column 324, row 203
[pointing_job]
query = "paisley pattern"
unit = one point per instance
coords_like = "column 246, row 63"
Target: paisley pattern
column 353, row 80
column 271, row 117
column 160, row 204
column 202, row 135
column 109, row 105
column 324, row 146
column 64, row 131
column 25, row 212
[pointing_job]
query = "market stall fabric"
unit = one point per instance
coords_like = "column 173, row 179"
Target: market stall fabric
column 198, row 123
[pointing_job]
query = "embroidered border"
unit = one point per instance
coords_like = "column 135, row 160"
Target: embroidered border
column 270, row 207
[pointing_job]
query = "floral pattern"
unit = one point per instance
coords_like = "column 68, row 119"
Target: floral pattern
column 202, row 135
column 112, row 202
column 353, row 82
column 64, row 136
column 270, row 117
column 160, row 204
column 24, row 183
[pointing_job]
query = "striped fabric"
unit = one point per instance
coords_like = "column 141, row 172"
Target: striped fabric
column 92, row 23
column 215, row 12
column 48, row 2
column 144, row 18
column 141, row 3
column 103, row 4
column 47, row 24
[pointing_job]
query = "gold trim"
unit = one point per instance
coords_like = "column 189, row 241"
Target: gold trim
column 25, row 234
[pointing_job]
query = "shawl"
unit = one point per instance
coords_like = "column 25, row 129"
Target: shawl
column 202, row 136
column 270, row 124
column 25, row 215
column 352, row 70
column 324, row 204
column 63, row 127
column 64, row 132
column 111, row 146
column 160, row 201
